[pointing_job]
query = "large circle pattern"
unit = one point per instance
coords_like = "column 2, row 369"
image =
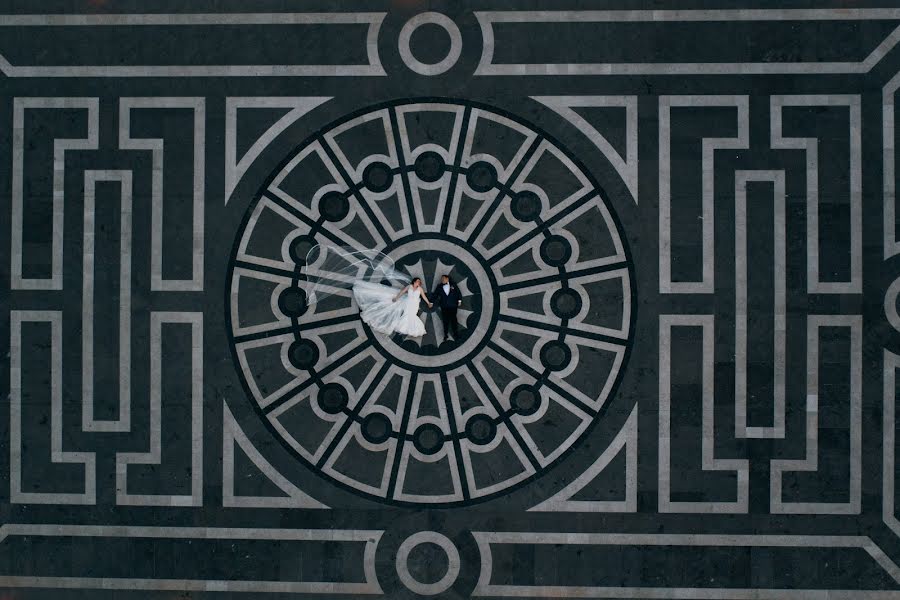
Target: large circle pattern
column 544, row 329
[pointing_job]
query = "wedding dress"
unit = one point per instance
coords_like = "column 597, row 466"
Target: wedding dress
column 379, row 311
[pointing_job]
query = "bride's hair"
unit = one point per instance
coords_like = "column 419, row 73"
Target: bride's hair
column 415, row 279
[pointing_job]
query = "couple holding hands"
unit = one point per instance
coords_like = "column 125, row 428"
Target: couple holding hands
column 388, row 311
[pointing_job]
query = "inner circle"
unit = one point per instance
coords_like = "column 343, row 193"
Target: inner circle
column 376, row 428
column 555, row 355
column 439, row 542
column 429, row 166
column 333, row 398
column 303, row 354
column 430, row 43
column 481, row 429
column 300, row 247
column 334, row 206
column 565, row 303
column 525, row 400
column 481, row 177
column 377, row 177
column 555, row 250
column 292, row 302
column 428, row 439
column 479, row 304
column 526, row 206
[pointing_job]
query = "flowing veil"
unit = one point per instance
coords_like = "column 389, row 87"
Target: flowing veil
column 330, row 269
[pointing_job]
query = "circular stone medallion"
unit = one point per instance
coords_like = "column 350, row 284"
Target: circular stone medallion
column 544, row 328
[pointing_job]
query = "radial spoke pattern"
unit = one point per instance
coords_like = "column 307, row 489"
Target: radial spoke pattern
column 460, row 414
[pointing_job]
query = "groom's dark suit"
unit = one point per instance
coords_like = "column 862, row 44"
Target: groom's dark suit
column 448, row 303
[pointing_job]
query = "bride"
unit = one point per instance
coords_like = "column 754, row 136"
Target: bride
column 387, row 311
column 331, row 270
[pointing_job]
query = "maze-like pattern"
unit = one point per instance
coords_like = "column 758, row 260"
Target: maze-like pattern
column 675, row 231
column 81, row 235
column 811, row 219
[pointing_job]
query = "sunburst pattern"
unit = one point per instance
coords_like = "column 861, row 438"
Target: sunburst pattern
column 441, row 187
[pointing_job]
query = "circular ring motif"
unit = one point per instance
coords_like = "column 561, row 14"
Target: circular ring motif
column 526, row 206
column 541, row 336
column 890, row 304
column 445, row 23
column 334, row 207
column 376, row 428
column 481, row 177
column 453, row 563
column 429, row 166
column 478, row 326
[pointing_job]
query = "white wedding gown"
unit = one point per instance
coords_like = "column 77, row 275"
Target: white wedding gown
column 379, row 311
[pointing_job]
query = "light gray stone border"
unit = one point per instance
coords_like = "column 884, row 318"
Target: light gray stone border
column 445, row 23
column 453, row 563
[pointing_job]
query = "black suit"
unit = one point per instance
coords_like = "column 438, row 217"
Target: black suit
column 448, row 303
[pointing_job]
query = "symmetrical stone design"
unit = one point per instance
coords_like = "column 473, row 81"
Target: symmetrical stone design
column 821, row 217
column 709, row 193
column 439, row 187
column 114, row 231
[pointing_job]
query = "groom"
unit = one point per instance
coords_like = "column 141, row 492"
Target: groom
column 448, row 299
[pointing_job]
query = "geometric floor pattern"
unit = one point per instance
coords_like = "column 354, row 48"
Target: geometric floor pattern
column 675, row 232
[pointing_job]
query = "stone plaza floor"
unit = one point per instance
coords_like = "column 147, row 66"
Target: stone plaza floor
column 673, row 227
